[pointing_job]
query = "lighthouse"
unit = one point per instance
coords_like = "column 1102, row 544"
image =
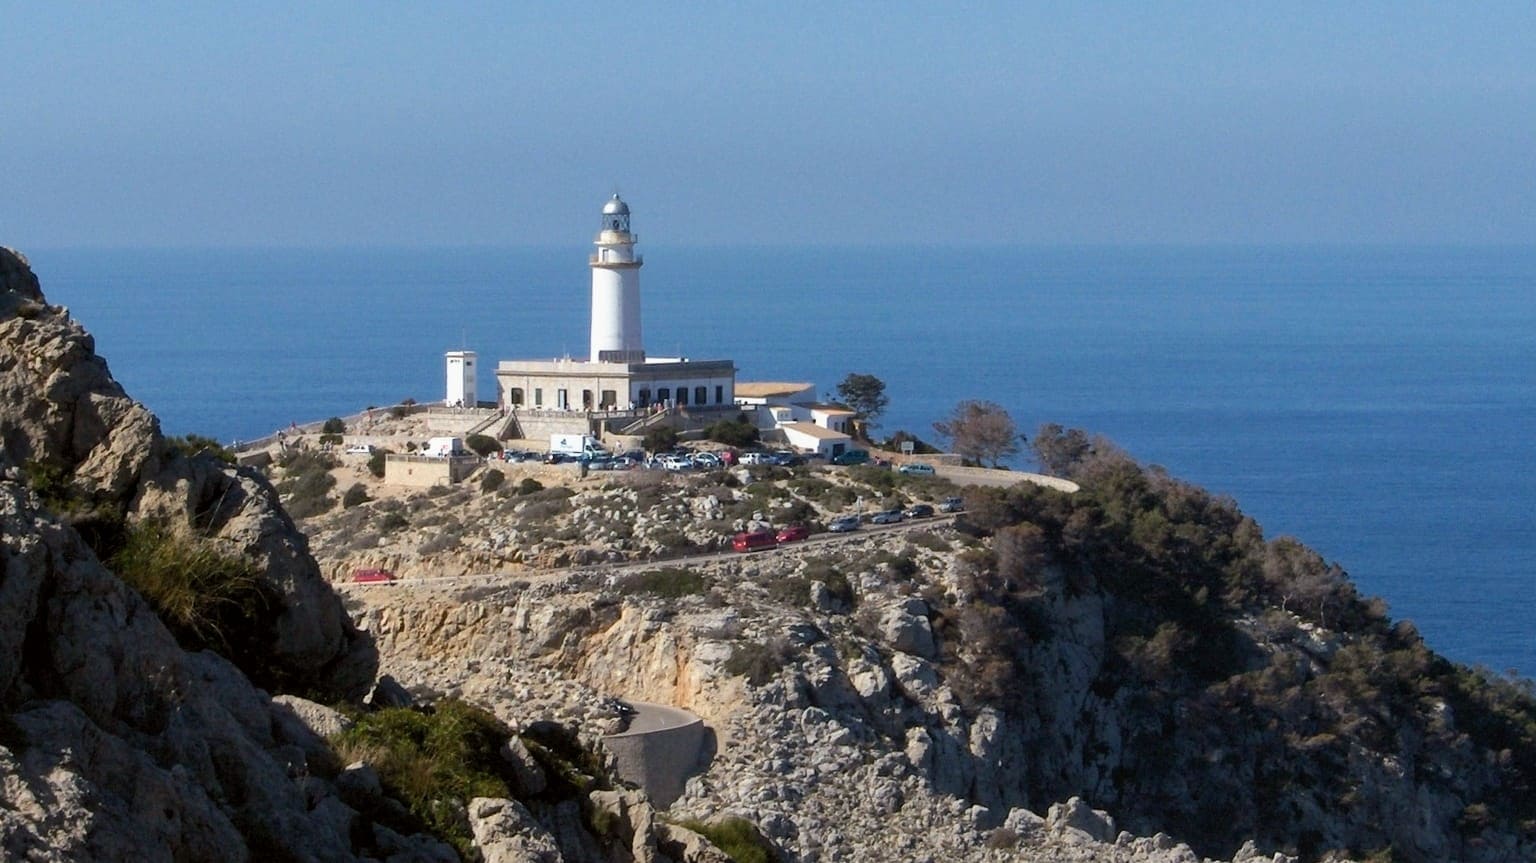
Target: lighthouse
column 616, row 289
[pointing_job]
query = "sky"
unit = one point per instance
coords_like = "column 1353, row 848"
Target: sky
column 388, row 124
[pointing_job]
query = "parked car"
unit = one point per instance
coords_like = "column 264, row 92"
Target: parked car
column 371, row 576
column 794, row 533
column 921, row 510
column 888, row 516
column 785, row 459
column 757, row 539
column 851, row 457
column 359, row 449
column 843, row 524
column 706, row 459
column 755, row 458
column 952, row 504
column 916, row 468
column 676, row 462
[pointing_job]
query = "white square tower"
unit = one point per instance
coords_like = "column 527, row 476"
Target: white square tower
column 461, row 379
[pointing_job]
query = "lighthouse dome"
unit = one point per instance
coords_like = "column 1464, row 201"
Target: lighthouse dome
column 615, row 207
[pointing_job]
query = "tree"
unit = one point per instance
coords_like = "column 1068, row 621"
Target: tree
column 737, row 432
column 483, row 445
column 865, row 395
column 981, row 431
column 660, row 439
column 1059, row 450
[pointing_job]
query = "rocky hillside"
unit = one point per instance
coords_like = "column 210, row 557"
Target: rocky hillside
column 1139, row 644
column 1131, row 673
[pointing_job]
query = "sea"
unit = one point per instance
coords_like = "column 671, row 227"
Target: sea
column 1379, row 403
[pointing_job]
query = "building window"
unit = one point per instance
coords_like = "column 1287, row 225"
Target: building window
column 610, row 399
column 682, row 395
column 719, row 394
column 644, row 397
column 538, row 397
column 663, row 395
column 701, row 395
column 586, row 400
column 562, row 399
column 515, row 396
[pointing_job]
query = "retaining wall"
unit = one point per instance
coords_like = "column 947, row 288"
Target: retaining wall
column 663, row 748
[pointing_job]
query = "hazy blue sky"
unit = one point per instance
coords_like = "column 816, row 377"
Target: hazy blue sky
column 314, row 124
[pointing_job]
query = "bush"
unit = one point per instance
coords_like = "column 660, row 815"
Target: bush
column 433, row 761
column 193, row 444
column 737, row 837
column 208, row 598
column 529, row 485
column 759, row 662
column 492, row 480
column 672, row 583
column 354, row 496
column 376, row 462
column 737, row 432
column 391, row 522
column 660, row 439
column 335, row 426
column 483, row 445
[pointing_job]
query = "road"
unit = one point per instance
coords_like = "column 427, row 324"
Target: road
column 549, row 575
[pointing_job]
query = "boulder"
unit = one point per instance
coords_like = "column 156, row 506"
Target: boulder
column 1077, row 815
column 907, row 631
column 506, row 832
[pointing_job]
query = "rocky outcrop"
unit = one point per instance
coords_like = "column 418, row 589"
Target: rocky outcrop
column 121, row 746
column 98, row 457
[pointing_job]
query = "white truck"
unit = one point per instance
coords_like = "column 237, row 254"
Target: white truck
column 443, row 447
column 578, row 445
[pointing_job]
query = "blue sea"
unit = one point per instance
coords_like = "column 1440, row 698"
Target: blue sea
column 1378, row 403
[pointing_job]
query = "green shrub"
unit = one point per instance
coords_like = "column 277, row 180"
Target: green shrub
column 376, row 462
column 759, row 662
column 391, row 522
column 737, row 432
column 492, row 480
column 671, row 583
column 482, row 445
column 193, row 444
column 434, row 762
column 335, row 426
column 354, row 496
column 207, row 598
column 529, row 485
column 51, row 483
column 898, row 567
column 929, row 540
column 737, row 837
column 659, row 439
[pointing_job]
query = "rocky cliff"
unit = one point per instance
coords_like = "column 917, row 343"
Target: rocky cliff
column 1139, row 645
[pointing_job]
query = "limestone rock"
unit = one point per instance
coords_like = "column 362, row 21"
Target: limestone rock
column 905, row 627
column 527, row 774
column 1077, row 815
column 506, row 832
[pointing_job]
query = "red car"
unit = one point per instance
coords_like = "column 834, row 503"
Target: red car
column 369, row 576
column 753, row 541
column 794, row 533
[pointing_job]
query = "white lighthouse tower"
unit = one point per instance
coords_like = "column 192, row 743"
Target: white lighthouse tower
column 616, row 289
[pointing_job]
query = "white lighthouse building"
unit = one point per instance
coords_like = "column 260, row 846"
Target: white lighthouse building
column 618, row 388
column 616, row 289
